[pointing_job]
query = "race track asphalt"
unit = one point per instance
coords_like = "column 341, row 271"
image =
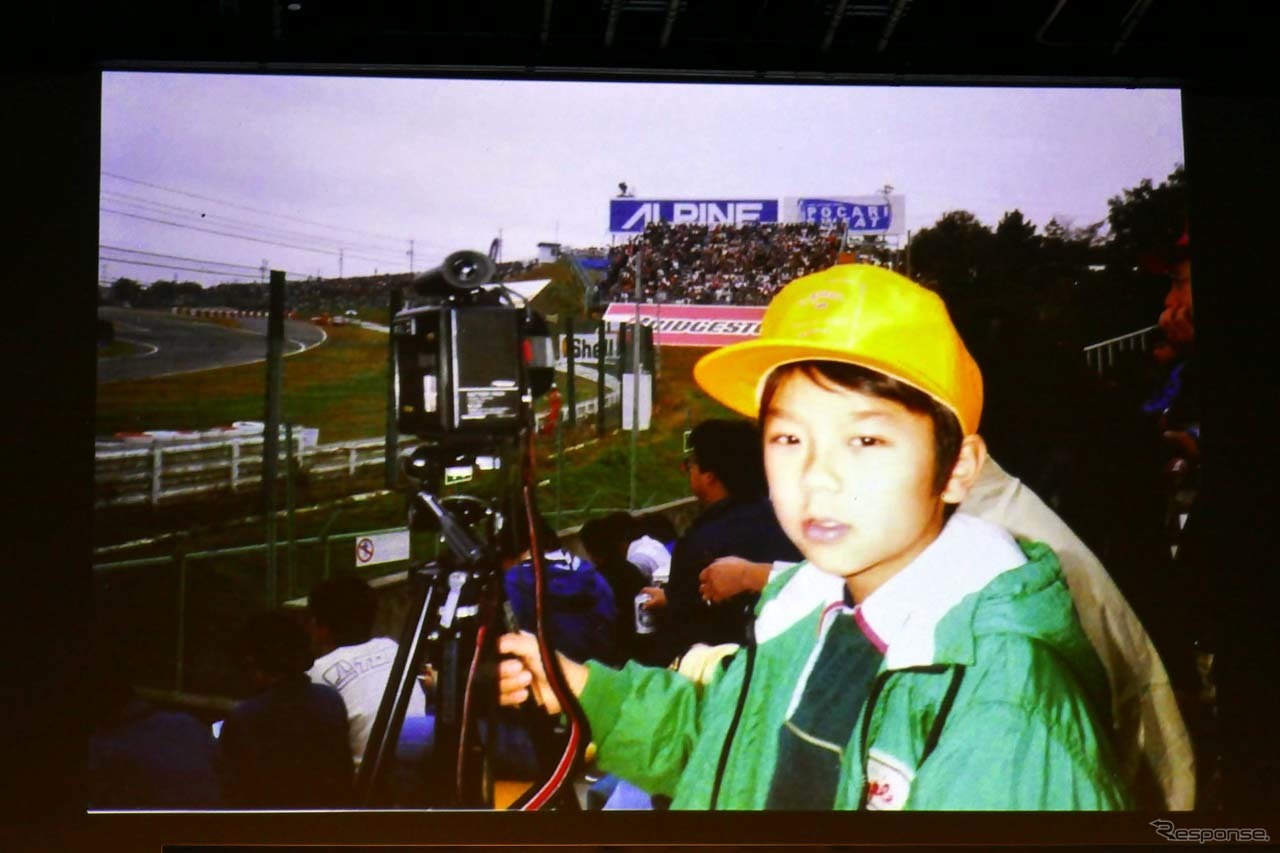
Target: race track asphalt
column 175, row 344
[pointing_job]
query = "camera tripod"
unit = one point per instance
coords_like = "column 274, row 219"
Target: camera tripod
column 448, row 646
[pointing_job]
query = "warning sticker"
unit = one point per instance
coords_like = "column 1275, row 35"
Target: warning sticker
column 382, row 548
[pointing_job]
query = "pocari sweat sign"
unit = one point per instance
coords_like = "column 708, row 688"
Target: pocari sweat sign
column 631, row 215
column 872, row 214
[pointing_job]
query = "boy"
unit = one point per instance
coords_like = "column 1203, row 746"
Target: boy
column 917, row 658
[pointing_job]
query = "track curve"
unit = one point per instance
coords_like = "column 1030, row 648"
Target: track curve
column 177, row 344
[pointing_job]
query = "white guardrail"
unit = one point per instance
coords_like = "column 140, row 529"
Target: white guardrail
column 1102, row 355
column 168, row 466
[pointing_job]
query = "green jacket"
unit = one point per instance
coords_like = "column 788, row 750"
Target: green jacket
column 1022, row 728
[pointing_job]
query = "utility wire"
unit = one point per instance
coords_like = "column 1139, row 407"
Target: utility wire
column 252, row 209
column 257, row 269
column 255, row 272
column 266, row 230
column 321, row 249
column 236, row 236
column 179, row 257
column 173, row 267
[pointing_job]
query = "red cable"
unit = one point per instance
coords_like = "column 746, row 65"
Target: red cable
column 466, row 708
column 550, row 666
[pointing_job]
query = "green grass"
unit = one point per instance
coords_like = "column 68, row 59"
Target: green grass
column 339, row 386
column 599, row 474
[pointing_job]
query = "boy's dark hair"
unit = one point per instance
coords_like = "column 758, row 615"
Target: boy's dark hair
column 346, row 606
column 277, row 645
column 947, row 433
column 732, row 451
column 607, row 537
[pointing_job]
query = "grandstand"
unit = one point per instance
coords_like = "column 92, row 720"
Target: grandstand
column 730, row 264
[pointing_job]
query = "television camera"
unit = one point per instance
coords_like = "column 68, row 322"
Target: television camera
column 469, row 358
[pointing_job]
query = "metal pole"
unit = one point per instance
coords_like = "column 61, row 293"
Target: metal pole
column 635, row 387
column 271, row 431
column 392, row 446
column 654, row 352
column 182, row 622
column 290, row 502
column 571, row 392
column 157, row 470
column 559, row 467
column 324, row 543
column 600, row 348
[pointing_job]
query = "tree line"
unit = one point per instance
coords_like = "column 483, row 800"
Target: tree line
column 1080, row 283
column 1087, row 281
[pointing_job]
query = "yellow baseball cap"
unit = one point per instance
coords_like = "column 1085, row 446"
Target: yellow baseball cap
column 859, row 314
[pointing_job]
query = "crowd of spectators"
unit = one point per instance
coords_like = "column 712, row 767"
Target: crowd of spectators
column 314, row 682
column 726, row 264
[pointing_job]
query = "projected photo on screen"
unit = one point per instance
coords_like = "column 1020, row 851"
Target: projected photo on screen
column 255, row 566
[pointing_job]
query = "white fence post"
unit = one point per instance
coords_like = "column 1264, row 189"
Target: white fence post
column 157, row 466
column 235, row 463
column 133, row 471
column 1105, row 351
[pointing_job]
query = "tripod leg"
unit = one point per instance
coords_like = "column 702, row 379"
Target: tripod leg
column 373, row 780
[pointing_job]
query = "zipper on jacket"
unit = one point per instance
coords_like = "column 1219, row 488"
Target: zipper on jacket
column 949, row 699
column 935, row 730
column 863, row 746
column 737, row 714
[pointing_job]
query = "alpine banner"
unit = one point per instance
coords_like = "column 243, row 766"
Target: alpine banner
column 692, row 325
column 631, row 215
column 869, row 214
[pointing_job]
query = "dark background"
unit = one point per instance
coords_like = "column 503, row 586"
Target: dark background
column 54, row 52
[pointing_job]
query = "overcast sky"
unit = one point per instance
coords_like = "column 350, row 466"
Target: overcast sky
column 450, row 163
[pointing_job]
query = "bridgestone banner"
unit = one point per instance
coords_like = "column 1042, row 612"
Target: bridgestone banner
column 692, row 325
